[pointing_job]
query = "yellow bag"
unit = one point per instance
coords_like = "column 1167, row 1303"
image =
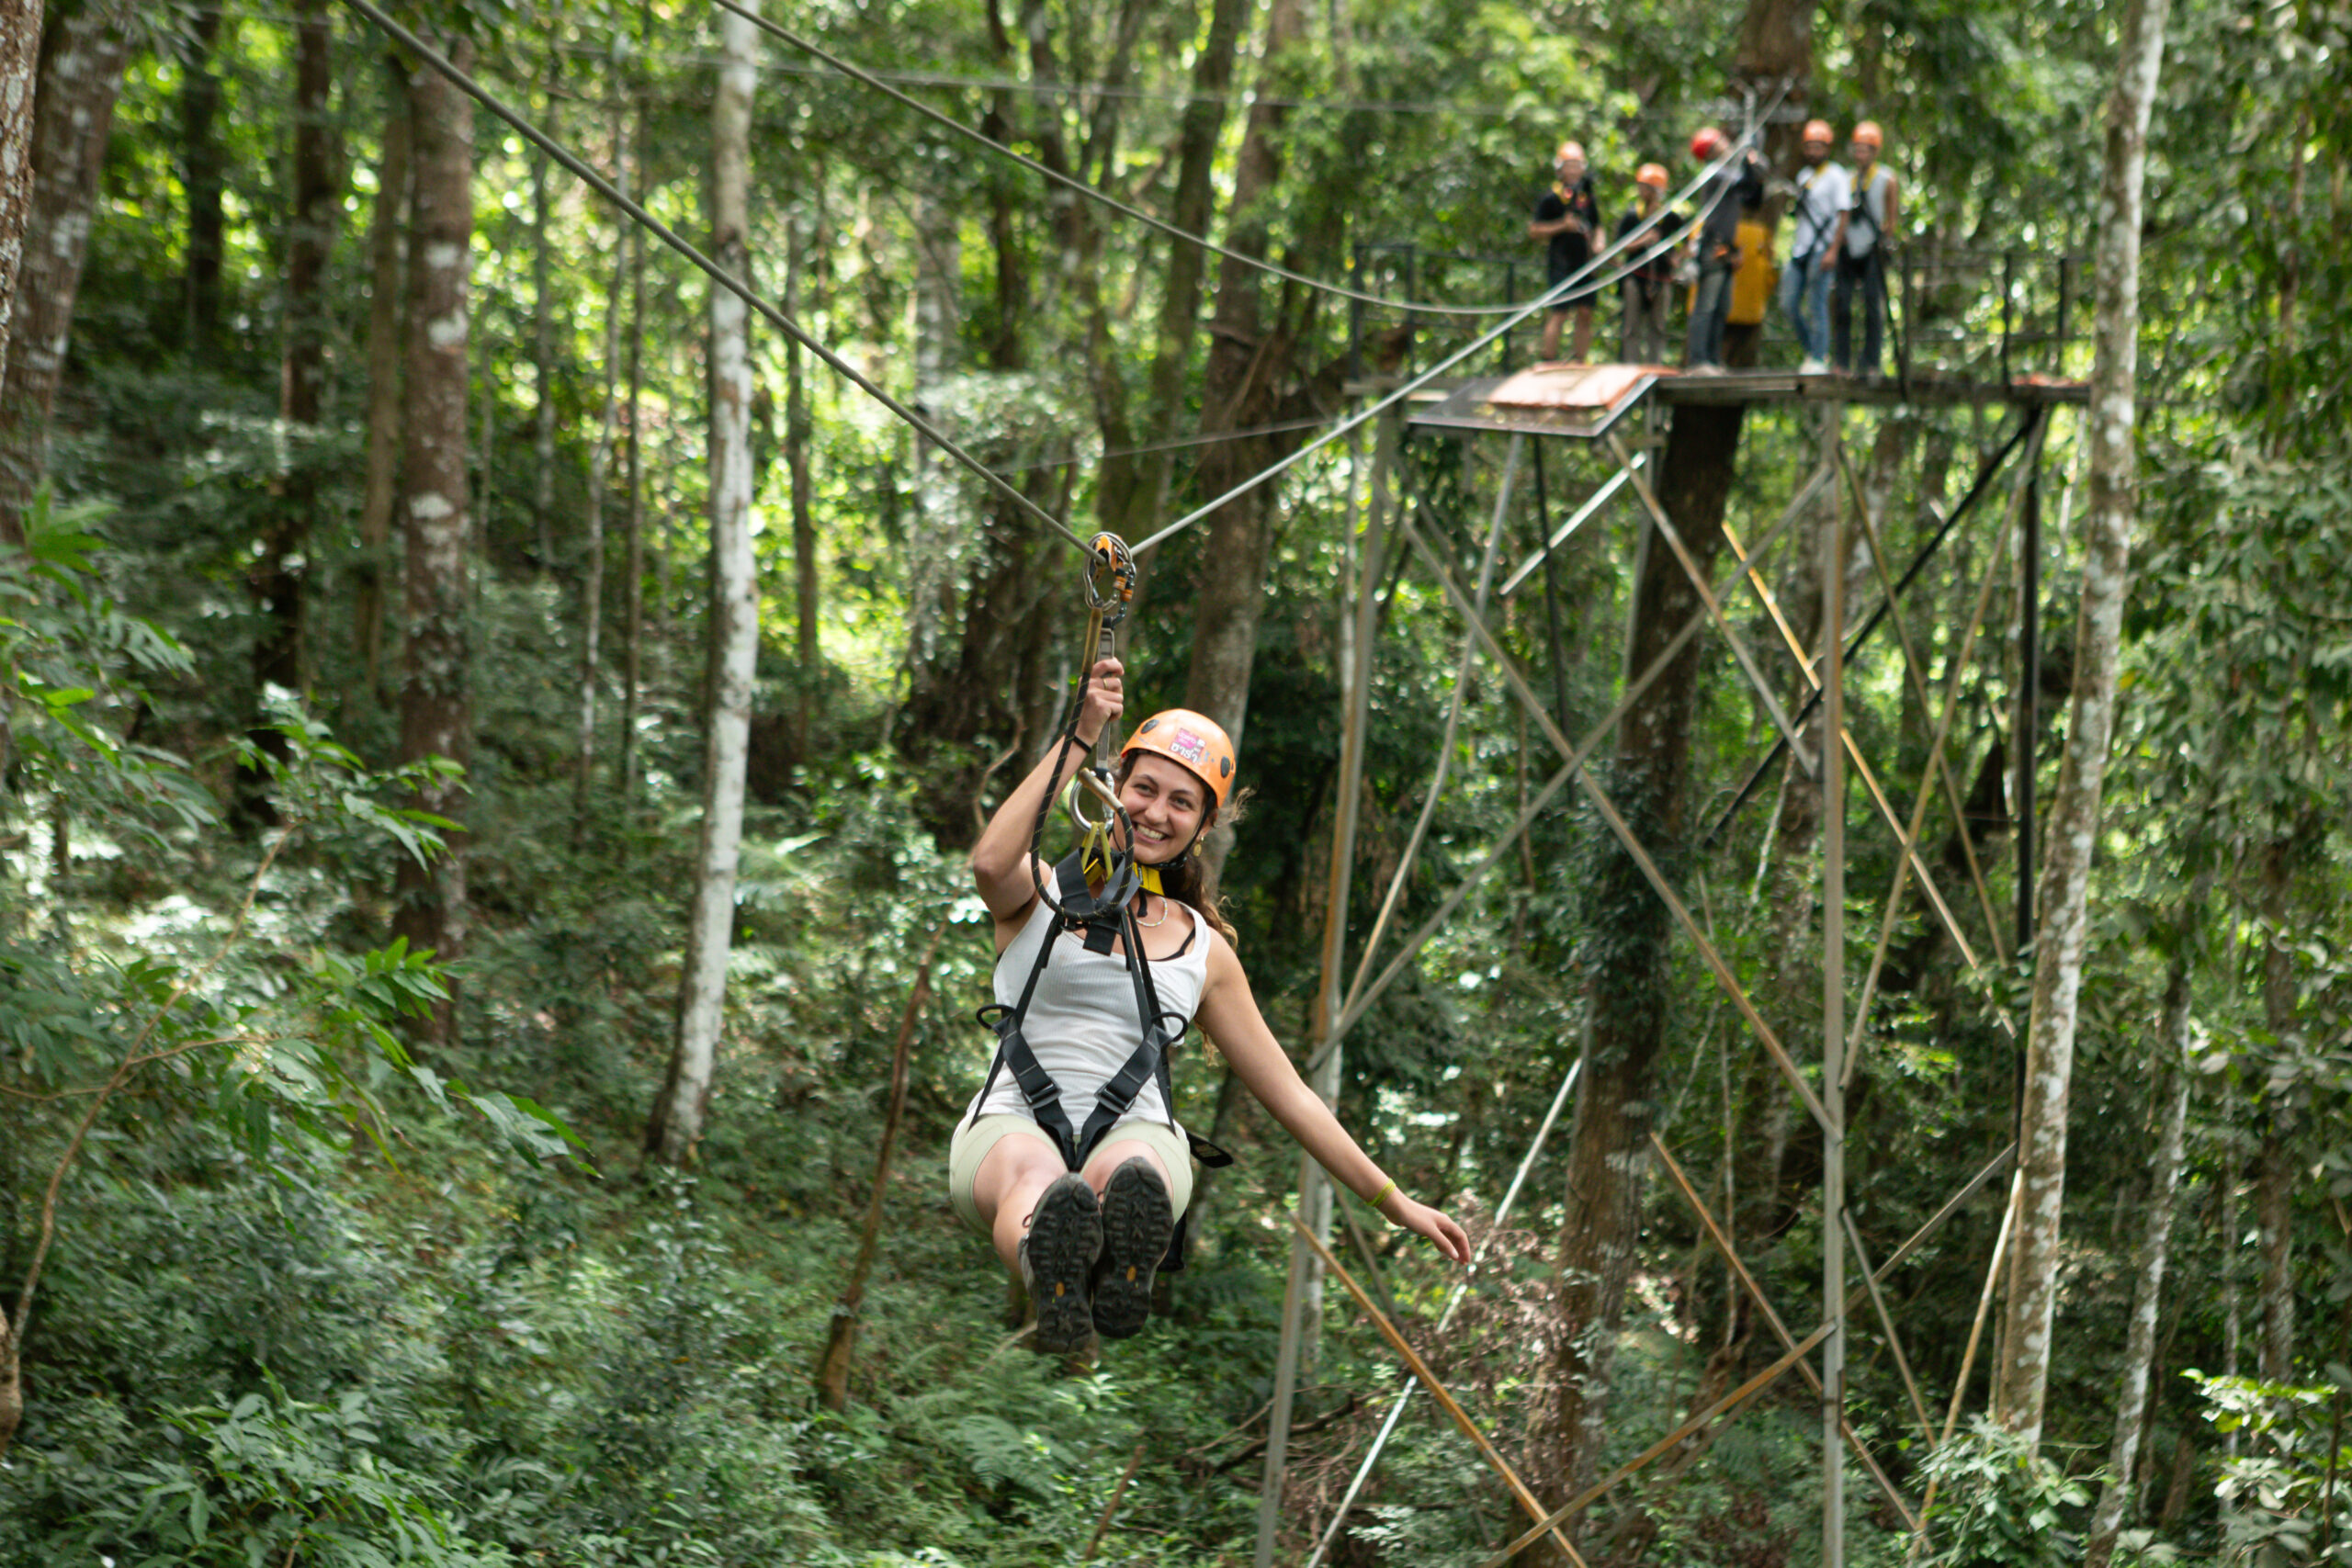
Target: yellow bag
column 1752, row 285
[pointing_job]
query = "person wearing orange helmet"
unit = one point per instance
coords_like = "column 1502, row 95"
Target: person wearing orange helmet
column 1649, row 278
column 1085, row 993
column 1738, row 185
column 1866, row 232
column 1821, row 192
column 1568, row 219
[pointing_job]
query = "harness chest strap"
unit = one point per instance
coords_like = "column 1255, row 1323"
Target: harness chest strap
column 1102, row 928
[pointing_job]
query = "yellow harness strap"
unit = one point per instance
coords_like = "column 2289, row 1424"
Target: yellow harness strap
column 1097, row 865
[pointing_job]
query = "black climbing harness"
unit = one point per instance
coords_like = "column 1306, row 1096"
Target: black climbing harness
column 1100, row 925
column 1103, row 922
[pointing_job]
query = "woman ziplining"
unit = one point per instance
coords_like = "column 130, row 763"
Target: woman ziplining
column 1101, row 962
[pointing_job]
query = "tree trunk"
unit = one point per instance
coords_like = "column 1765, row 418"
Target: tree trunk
column 1246, row 364
column 799, row 428
column 21, row 36
column 677, row 1121
column 2274, row 1168
column 203, row 175
column 2021, row 1381
column 1629, row 965
column 84, row 50
column 989, row 683
column 278, row 576
column 840, row 1340
column 437, row 718
column 633, row 661
column 1776, row 44
column 1197, row 138
column 1116, row 482
column 543, row 361
column 387, row 256
column 2274, row 1213
column 2168, row 1074
column 591, row 509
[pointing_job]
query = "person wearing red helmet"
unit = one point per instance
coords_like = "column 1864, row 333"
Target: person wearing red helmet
column 1866, row 232
column 1738, row 185
column 1568, row 219
column 1648, row 282
column 1083, row 1219
column 1821, row 192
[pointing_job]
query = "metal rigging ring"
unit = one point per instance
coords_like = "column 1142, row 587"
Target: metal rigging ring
column 1109, row 578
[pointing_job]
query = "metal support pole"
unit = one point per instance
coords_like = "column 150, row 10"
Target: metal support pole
column 1302, row 1295
column 1355, row 312
column 1833, row 1032
column 1511, row 293
column 1551, row 593
column 2028, row 719
column 2065, row 300
column 2008, row 289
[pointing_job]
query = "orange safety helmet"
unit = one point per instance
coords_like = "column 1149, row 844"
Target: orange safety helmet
column 1868, row 134
column 1197, row 742
column 1709, row 143
column 1816, row 131
column 1566, row 150
column 1651, row 175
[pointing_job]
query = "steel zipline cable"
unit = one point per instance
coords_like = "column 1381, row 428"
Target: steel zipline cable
column 1093, row 193
column 718, row 275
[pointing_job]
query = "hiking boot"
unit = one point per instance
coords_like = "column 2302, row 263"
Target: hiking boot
column 1056, row 1257
column 1138, row 1219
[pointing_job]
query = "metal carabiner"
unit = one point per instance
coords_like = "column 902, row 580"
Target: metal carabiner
column 1109, row 578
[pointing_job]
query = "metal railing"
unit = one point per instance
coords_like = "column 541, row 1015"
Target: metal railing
column 1954, row 311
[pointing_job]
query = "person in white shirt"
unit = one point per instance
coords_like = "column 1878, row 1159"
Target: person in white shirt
column 1823, row 191
column 1866, row 232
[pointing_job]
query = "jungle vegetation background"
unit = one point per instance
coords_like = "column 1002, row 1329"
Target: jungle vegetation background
column 335, row 1253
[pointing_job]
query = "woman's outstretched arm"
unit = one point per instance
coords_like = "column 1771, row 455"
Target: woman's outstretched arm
column 1229, row 1015
column 1001, row 861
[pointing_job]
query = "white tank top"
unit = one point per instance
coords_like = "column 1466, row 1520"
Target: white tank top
column 1083, row 1022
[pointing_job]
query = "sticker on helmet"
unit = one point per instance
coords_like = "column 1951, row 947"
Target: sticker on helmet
column 1188, row 745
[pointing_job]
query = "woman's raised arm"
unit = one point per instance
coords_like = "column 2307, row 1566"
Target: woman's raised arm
column 1001, row 860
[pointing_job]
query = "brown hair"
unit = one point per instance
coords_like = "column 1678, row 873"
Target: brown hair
column 1187, row 879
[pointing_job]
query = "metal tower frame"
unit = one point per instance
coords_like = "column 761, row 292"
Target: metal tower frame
column 1469, row 409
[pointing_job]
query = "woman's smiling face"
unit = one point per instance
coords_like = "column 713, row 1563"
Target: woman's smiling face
column 1165, row 801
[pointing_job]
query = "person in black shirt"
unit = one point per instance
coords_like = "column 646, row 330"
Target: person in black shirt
column 1568, row 216
column 1648, row 283
column 1738, row 185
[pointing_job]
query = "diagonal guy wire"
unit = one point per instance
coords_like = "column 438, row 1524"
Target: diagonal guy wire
column 1625, row 835
column 1360, row 997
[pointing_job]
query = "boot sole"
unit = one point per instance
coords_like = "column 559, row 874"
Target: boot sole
column 1138, row 1219
column 1065, row 1238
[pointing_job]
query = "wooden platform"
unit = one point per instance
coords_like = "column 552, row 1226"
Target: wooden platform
column 1582, row 402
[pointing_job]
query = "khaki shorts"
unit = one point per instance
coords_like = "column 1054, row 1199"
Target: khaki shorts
column 974, row 1139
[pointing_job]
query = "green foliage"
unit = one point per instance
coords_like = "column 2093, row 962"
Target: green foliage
column 2282, row 1494
column 2004, row 1503
column 274, row 1480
